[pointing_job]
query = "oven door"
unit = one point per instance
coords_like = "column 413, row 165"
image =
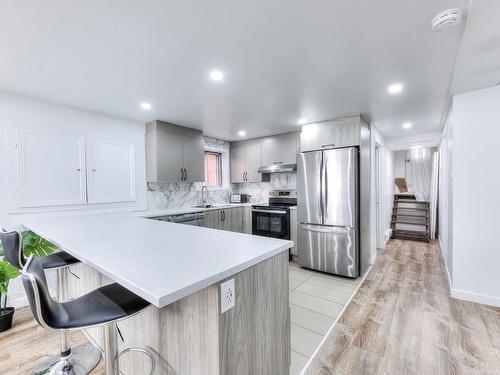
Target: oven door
column 271, row 223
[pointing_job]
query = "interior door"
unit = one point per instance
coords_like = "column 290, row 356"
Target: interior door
column 340, row 187
column 110, row 171
column 309, row 165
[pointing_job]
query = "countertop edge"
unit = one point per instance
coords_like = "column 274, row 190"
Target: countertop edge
column 179, row 294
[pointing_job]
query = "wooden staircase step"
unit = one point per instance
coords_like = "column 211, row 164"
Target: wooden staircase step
column 410, row 215
column 410, row 223
column 410, row 201
column 409, row 208
column 405, row 234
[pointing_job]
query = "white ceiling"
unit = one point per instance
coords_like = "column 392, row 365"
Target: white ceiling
column 478, row 62
column 282, row 60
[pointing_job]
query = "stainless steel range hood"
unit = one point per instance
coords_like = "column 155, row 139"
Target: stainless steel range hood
column 278, row 168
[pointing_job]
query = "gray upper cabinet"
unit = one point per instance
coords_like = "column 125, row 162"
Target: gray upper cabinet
column 174, row 153
column 246, row 159
column 193, row 153
column 329, row 134
column 280, row 149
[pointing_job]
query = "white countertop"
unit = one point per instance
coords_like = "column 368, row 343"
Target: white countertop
column 185, row 210
column 160, row 261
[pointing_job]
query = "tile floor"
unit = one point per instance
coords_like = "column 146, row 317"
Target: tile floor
column 316, row 299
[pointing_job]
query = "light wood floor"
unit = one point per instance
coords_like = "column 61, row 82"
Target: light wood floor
column 26, row 344
column 402, row 321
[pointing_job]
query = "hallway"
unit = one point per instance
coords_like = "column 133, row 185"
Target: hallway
column 402, row 321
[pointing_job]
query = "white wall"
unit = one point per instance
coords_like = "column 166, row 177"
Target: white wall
column 387, row 190
column 17, row 111
column 400, row 164
column 474, row 133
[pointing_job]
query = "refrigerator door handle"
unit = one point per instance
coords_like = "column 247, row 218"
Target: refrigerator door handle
column 324, row 229
column 322, row 187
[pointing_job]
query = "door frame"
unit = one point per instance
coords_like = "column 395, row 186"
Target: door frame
column 378, row 197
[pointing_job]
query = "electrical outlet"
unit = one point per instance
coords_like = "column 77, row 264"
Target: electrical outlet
column 227, row 295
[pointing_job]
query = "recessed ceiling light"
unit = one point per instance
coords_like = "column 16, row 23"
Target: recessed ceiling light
column 216, row 75
column 395, row 88
column 407, row 125
column 146, row 106
column 302, row 121
column 242, row 133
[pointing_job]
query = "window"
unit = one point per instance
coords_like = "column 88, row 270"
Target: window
column 213, row 169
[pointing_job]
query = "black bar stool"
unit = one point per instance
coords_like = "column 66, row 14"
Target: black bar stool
column 82, row 358
column 102, row 307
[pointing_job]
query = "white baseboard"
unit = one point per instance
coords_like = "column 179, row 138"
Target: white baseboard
column 475, row 297
column 387, row 236
column 372, row 260
column 18, row 302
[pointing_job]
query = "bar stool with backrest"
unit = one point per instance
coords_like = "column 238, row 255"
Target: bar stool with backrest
column 103, row 307
column 83, row 358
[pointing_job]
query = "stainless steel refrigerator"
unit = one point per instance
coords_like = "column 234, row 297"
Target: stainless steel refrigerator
column 328, row 210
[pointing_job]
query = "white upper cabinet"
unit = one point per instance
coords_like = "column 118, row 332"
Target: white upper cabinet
column 330, row 134
column 110, row 172
column 51, row 169
column 280, row 149
column 60, row 169
column 174, row 153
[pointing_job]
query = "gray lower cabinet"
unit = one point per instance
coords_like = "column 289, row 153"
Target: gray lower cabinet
column 247, row 219
column 213, row 219
column 230, row 219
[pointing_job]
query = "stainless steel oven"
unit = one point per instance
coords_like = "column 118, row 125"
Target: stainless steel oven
column 271, row 222
column 273, row 219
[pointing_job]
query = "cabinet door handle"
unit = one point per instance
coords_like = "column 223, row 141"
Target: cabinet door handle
column 78, row 169
column 223, row 215
column 329, row 145
column 185, row 174
column 182, row 174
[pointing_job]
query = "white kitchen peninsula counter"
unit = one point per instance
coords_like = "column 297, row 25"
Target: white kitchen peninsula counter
column 159, row 261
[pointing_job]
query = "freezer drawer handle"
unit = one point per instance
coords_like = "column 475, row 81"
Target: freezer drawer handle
column 321, row 229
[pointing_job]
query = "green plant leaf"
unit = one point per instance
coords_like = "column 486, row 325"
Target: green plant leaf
column 34, row 244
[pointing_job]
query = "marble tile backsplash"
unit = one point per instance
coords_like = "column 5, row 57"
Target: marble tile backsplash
column 180, row 194
column 259, row 192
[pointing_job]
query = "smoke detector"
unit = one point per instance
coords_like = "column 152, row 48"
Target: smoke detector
column 446, row 19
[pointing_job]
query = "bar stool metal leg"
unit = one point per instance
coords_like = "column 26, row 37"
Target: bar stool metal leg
column 79, row 360
column 110, row 348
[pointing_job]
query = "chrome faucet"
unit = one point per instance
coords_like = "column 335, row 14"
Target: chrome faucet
column 203, row 198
